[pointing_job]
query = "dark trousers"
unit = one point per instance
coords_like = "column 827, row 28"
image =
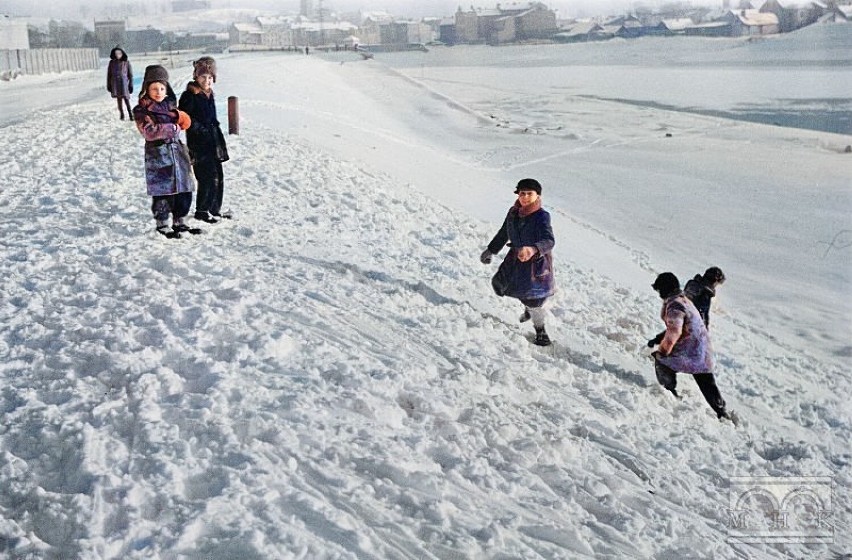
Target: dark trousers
column 706, row 382
column 126, row 101
column 211, row 187
column 175, row 204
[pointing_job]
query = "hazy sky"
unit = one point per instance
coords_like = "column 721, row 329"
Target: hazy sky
column 75, row 9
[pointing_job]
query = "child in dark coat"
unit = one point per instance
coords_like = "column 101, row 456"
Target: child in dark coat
column 167, row 168
column 120, row 80
column 206, row 142
column 526, row 272
column 702, row 289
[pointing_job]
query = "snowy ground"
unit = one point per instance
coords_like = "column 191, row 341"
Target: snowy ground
column 329, row 375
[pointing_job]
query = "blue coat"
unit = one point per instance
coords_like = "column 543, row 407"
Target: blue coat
column 524, row 280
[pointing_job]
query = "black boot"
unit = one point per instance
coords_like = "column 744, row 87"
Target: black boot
column 541, row 338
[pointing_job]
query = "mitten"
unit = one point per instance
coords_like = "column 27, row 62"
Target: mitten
column 183, row 120
column 656, row 340
column 485, row 257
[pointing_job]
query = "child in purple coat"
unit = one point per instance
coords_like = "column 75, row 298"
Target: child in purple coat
column 168, row 174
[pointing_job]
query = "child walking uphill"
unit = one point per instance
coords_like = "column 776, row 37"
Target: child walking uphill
column 206, row 142
column 526, row 272
column 167, row 167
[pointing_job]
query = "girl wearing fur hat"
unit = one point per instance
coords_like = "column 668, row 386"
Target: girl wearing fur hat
column 526, row 272
column 206, row 142
column 167, row 167
column 120, row 80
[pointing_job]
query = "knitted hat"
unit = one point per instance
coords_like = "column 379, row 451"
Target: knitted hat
column 156, row 73
column 204, row 65
column 528, row 185
column 667, row 284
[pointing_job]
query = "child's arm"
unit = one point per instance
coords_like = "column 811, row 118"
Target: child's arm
column 156, row 131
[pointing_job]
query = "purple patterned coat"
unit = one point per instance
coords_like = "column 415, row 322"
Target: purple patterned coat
column 167, row 167
column 692, row 353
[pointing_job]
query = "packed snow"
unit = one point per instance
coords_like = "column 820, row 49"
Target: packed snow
column 329, row 375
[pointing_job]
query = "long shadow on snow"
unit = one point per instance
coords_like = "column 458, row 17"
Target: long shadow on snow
column 583, row 361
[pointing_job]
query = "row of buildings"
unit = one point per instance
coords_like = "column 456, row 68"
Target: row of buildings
column 774, row 16
column 530, row 21
column 503, row 24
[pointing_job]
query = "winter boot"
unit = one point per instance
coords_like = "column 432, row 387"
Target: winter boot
column 205, row 217
column 179, row 226
column 541, row 338
column 168, row 232
column 525, row 316
column 226, row 215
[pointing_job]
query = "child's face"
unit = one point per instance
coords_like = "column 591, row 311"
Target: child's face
column 157, row 91
column 205, row 81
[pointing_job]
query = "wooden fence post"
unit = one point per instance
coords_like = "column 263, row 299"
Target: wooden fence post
column 233, row 115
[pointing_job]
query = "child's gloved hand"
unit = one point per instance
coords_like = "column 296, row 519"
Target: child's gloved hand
column 485, row 257
column 183, row 120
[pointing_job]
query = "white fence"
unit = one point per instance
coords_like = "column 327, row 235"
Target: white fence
column 42, row 61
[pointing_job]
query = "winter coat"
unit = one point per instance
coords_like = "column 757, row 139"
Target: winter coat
column 167, row 166
column 204, row 137
column 119, row 75
column 701, row 295
column 524, row 280
column 692, row 353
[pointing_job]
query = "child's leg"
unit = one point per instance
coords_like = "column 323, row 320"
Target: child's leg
column 666, row 376
column 161, row 208
column 205, row 174
column 218, row 189
column 179, row 205
column 707, row 384
column 535, row 309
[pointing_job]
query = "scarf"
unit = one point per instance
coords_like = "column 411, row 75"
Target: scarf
column 523, row 212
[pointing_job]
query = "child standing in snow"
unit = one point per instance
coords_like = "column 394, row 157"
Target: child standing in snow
column 167, row 167
column 526, row 272
column 685, row 346
column 206, row 142
column 120, row 80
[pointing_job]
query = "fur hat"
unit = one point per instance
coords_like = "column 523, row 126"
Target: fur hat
column 666, row 284
column 156, row 73
column 528, row 185
column 204, row 65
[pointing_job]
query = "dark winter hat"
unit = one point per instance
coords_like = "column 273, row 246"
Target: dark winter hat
column 528, row 185
column 714, row 274
column 156, row 73
column 666, row 283
column 204, row 65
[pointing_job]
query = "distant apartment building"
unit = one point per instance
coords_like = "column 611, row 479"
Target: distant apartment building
column 794, row 15
column 13, row 34
column 108, row 34
column 188, row 5
column 749, row 23
column 503, row 24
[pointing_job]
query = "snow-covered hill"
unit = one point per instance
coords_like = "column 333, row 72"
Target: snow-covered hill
column 329, row 375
